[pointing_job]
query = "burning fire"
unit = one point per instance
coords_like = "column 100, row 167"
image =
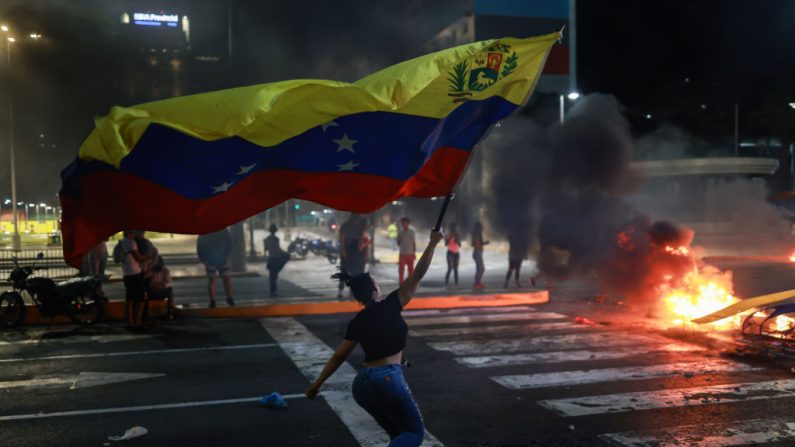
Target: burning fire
column 783, row 323
column 792, row 257
column 699, row 292
column 684, row 251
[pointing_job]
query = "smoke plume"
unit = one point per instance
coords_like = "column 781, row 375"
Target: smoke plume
column 565, row 186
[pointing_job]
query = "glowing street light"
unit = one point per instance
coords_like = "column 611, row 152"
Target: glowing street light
column 12, row 39
column 4, row 28
column 792, row 104
column 573, row 96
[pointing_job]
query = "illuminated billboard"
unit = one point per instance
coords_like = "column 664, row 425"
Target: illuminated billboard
column 151, row 19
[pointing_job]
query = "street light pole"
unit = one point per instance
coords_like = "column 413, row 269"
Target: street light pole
column 572, row 96
column 16, row 241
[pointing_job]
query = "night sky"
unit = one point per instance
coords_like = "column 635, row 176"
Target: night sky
column 730, row 51
column 634, row 48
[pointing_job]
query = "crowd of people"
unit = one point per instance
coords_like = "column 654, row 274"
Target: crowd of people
column 146, row 277
column 403, row 241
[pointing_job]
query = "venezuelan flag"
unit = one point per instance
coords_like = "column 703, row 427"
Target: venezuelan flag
column 198, row 163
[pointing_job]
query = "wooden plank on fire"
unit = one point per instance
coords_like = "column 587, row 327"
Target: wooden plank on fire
column 747, row 304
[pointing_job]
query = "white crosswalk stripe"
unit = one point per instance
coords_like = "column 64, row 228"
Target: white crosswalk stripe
column 543, row 343
column 489, row 361
column 464, row 319
column 752, row 432
column 533, row 342
column 499, row 329
column 582, row 377
column 309, row 354
column 649, row 400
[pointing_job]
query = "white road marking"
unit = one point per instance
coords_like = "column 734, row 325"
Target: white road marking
column 463, row 319
column 581, row 377
column 543, row 343
column 76, row 339
column 568, row 356
column 203, row 403
column 310, row 354
column 82, row 380
column 751, row 432
column 498, row 329
column 471, row 310
column 649, row 400
column 129, row 353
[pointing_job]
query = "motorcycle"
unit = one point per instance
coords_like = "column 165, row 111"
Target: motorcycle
column 298, row 247
column 328, row 249
column 81, row 299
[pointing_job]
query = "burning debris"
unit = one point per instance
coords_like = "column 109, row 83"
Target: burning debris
column 574, row 178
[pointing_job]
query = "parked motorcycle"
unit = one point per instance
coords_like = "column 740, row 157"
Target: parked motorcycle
column 328, row 249
column 298, row 248
column 81, row 299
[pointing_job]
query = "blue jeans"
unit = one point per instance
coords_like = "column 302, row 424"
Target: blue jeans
column 477, row 255
column 382, row 391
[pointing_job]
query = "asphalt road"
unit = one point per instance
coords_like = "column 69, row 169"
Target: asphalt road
column 486, row 377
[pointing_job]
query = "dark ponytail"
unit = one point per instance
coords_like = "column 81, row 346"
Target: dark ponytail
column 362, row 285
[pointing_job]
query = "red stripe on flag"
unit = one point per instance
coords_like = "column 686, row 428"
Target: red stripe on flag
column 557, row 61
column 112, row 201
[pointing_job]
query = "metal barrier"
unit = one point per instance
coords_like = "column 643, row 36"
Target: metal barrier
column 53, row 263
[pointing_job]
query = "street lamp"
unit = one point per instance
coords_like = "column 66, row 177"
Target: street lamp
column 573, row 96
column 792, row 104
column 16, row 241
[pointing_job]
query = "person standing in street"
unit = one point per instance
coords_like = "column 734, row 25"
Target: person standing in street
column 453, row 242
column 277, row 258
column 517, row 252
column 354, row 245
column 408, row 249
column 477, row 254
column 380, row 387
column 392, row 233
column 134, row 284
column 99, row 259
column 214, row 250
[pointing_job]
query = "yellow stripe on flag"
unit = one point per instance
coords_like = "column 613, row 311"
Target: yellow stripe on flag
column 268, row 114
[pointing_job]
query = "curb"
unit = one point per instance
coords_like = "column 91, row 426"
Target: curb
column 115, row 310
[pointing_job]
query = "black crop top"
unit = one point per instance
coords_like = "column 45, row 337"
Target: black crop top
column 379, row 328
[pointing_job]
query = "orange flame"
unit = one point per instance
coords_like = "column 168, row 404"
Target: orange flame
column 682, row 251
column 783, row 323
column 701, row 292
column 792, row 257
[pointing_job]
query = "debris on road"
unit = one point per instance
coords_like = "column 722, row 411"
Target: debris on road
column 132, row 432
column 273, row 400
column 583, row 320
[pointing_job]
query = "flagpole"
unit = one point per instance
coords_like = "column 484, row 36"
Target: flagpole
column 438, row 226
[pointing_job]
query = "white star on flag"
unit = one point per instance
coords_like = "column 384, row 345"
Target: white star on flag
column 245, row 169
column 347, row 166
column 345, row 144
column 223, row 187
column 328, row 124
